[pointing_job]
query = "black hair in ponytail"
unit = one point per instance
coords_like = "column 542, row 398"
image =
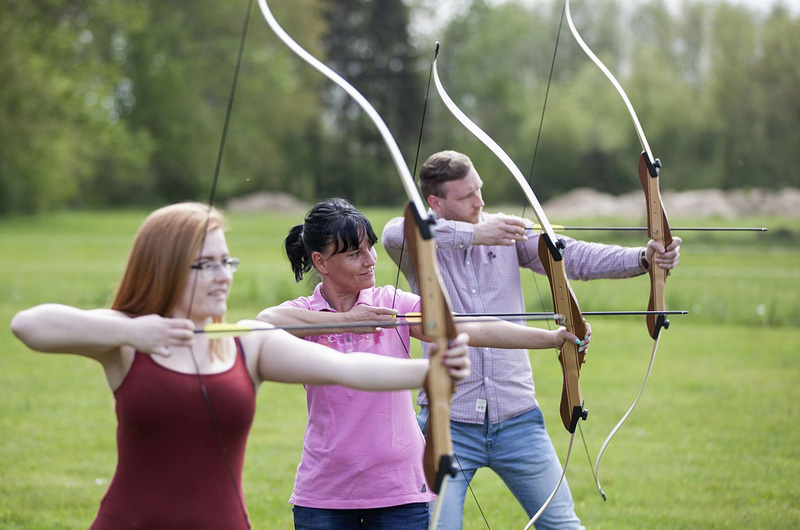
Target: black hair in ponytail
column 331, row 222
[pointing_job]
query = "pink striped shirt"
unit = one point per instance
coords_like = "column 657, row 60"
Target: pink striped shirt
column 486, row 279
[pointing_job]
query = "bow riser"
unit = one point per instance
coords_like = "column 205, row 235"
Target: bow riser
column 565, row 303
column 438, row 326
column 657, row 229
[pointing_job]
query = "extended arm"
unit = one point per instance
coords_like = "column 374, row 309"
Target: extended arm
column 494, row 333
column 96, row 333
column 288, row 359
column 284, row 315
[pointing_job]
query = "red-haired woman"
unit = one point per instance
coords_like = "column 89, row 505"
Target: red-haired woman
column 172, row 471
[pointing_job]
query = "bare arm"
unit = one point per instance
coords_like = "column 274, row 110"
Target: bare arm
column 283, row 315
column 494, row 333
column 288, row 359
column 96, row 333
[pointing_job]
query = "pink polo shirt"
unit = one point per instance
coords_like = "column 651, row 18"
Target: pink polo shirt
column 361, row 449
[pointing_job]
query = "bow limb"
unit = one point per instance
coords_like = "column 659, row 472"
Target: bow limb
column 551, row 252
column 437, row 317
column 648, row 169
column 657, row 229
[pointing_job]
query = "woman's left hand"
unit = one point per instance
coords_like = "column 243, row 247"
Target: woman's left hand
column 456, row 358
column 583, row 344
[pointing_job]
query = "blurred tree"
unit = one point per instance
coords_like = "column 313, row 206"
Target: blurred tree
column 62, row 95
column 778, row 72
column 367, row 43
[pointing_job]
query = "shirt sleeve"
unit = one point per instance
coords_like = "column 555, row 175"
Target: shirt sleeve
column 453, row 234
column 393, row 241
column 586, row 260
column 448, row 234
column 303, row 303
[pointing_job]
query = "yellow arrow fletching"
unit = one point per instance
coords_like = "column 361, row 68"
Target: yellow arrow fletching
column 554, row 227
column 222, row 329
column 413, row 317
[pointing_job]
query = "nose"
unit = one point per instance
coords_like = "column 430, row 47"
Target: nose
column 371, row 257
column 479, row 202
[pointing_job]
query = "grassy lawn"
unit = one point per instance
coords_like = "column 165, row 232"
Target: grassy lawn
column 713, row 444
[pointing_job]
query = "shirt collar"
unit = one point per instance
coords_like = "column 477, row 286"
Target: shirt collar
column 318, row 302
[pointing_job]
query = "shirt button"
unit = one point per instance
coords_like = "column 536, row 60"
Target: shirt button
column 468, row 263
column 473, row 291
column 347, row 339
column 486, row 379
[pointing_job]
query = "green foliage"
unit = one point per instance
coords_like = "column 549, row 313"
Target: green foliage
column 107, row 104
column 59, row 102
column 697, row 79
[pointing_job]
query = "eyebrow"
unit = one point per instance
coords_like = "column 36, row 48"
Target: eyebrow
column 209, row 258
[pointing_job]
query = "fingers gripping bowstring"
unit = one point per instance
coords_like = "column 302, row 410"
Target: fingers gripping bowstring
column 212, row 194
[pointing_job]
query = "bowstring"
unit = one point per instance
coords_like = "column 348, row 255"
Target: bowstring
column 530, row 183
column 214, row 181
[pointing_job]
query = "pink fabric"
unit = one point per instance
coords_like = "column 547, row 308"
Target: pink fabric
column 361, row 449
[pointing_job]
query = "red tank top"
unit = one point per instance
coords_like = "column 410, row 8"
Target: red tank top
column 171, row 471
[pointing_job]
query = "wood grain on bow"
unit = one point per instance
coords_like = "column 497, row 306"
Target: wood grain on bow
column 439, row 328
column 435, row 306
column 551, row 253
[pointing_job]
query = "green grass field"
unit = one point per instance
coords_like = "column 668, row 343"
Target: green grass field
column 713, row 444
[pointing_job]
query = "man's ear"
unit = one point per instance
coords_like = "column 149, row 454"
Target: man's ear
column 435, row 203
column 319, row 262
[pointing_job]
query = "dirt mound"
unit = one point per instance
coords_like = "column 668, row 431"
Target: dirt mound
column 267, row 201
column 586, row 202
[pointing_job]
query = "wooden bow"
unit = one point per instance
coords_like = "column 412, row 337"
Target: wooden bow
column 551, row 252
column 649, row 170
column 437, row 317
column 657, row 229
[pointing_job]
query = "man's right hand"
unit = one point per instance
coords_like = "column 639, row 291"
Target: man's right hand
column 499, row 229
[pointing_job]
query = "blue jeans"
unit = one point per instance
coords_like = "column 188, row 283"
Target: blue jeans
column 521, row 453
column 412, row 516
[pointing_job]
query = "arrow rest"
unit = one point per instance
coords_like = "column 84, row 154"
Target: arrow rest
column 661, row 322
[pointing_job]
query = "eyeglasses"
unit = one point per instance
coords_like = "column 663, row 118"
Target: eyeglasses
column 209, row 269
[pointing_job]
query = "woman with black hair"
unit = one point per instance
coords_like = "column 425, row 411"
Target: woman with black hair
column 361, row 466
